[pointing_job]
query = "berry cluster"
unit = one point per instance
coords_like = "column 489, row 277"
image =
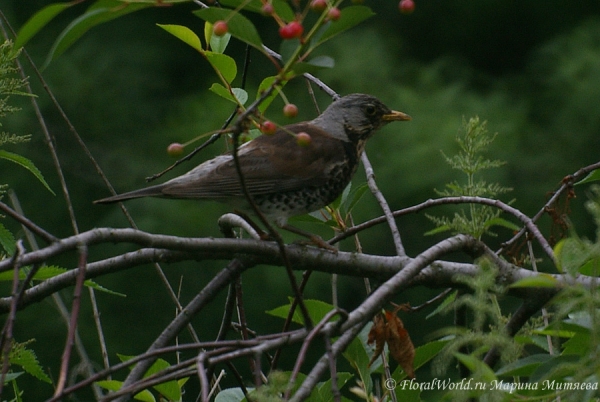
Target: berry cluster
column 294, row 29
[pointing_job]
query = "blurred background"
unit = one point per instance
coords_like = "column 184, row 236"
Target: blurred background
column 530, row 68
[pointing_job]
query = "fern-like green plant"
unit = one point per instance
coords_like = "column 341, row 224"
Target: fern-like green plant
column 477, row 219
column 11, row 85
column 485, row 331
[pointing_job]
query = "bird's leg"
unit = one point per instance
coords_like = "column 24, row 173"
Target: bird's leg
column 313, row 238
column 316, row 240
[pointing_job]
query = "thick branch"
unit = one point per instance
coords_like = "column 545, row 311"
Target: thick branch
column 173, row 249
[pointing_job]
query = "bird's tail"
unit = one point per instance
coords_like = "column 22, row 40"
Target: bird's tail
column 153, row 191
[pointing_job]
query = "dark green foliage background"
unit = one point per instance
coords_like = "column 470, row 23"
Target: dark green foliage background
column 532, row 69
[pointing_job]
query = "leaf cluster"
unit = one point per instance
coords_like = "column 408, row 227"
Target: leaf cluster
column 9, row 85
column 478, row 219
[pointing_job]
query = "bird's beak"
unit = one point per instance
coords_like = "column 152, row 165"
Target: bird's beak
column 396, row 116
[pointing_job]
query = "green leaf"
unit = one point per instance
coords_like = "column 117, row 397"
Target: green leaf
column 281, row 7
column 497, row 221
column 288, row 48
column 27, row 164
column 38, row 21
column 313, row 217
column 98, row 13
column 26, row 358
column 51, row 271
column 316, row 309
column 169, row 389
column 322, row 391
column 350, row 17
column 592, row 176
column 264, row 85
column 313, row 65
column 591, row 267
column 358, row 354
column 355, row 195
column 447, row 301
column 114, row 385
column 238, row 93
column 223, row 65
column 12, row 376
column 91, row 284
column 579, row 344
column 7, row 240
column 523, row 367
column 218, row 44
column 548, row 367
column 475, row 365
column 231, row 395
column 425, row 353
column 539, row 281
column 439, row 229
column 184, row 34
column 239, row 26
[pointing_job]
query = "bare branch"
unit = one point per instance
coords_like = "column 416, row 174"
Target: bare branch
column 66, row 356
column 208, row 293
column 384, row 205
column 528, row 222
column 48, row 238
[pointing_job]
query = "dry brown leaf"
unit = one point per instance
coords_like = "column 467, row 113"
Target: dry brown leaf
column 377, row 335
column 399, row 343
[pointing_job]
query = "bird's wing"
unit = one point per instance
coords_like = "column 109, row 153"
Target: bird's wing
column 269, row 163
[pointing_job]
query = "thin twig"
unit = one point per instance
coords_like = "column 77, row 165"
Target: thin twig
column 76, row 305
column 567, row 183
column 304, row 349
column 384, row 205
column 221, row 280
column 528, row 222
column 335, row 390
column 290, row 317
column 201, row 371
column 428, row 303
column 46, row 236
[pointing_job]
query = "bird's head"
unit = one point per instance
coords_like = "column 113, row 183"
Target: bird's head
column 356, row 117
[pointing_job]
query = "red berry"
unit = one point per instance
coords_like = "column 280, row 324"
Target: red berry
column 175, row 149
column 303, row 139
column 406, row 6
column 292, row 30
column 318, row 5
column 334, row 14
column 267, row 9
column 290, row 110
column 268, row 127
column 220, row 28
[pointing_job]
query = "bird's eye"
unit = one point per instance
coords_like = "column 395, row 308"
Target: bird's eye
column 370, row 110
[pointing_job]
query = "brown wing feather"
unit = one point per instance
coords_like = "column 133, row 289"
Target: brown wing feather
column 270, row 163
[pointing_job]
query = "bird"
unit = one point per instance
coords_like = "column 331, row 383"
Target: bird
column 283, row 177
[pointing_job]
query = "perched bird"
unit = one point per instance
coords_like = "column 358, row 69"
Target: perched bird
column 283, row 177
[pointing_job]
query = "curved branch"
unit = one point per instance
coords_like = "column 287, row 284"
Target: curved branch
column 208, row 293
column 566, row 183
column 358, row 318
column 173, row 249
column 528, row 222
column 383, row 204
